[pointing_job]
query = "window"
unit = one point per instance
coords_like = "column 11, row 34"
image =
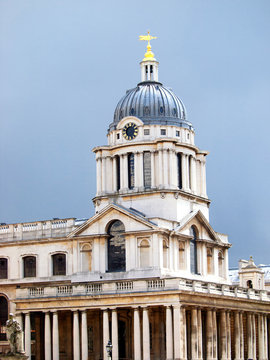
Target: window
column 116, row 247
column 177, row 133
column 163, row 132
column 118, row 173
column 144, row 249
column 131, row 174
column 3, row 317
column 249, row 284
column 3, row 268
column 147, row 169
column 193, row 251
column 118, row 136
column 59, row 264
column 86, row 257
column 146, row 131
column 189, row 171
column 29, row 266
column 179, row 164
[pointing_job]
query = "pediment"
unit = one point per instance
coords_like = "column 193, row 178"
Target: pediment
column 98, row 224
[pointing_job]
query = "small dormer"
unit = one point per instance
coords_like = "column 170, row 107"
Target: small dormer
column 250, row 276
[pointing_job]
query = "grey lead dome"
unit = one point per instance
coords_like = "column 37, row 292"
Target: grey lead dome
column 152, row 103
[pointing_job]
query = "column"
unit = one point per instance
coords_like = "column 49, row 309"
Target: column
column 200, row 350
column 215, row 352
column 76, row 336
column 176, row 331
column 228, row 335
column 170, row 168
column 237, row 335
column 84, row 340
column 146, row 335
column 261, row 337
column 27, row 335
column 203, row 178
column 103, row 174
column 209, row 334
column 114, row 176
column 249, row 336
column 194, row 334
column 183, row 334
column 140, row 169
column 106, row 332
column 98, row 175
column 165, row 168
column 55, row 336
column 265, row 338
column 241, row 336
column 254, row 336
column 184, row 171
column 153, row 170
column 193, row 175
column 223, row 335
column 47, row 337
column 137, row 335
column 160, row 169
column 169, row 335
column 114, row 335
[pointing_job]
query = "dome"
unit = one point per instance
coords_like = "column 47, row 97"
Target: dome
column 152, row 103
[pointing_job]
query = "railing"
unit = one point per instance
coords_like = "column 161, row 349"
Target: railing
column 93, row 288
column 155, row 284
column 64, row 290
column 35, row 291
column 124, row 285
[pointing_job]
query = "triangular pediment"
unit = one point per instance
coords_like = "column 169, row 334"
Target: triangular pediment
column 98, row 224
column 197, row 219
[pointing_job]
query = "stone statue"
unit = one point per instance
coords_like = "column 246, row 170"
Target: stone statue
column 14, row 336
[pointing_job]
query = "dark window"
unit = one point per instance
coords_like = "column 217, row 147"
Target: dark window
column 161, row 110
column 249, row 284
column 118, row 136
column 116, row 247
column 147, row 169
column 189, row 171
column 3, row 268
column 193, row 251
column 59, row 264
column 3, row 317
column 146, row 131
column 131, row 176
column 177, row 133
column 117, row 172
column 151, row 68
column 179, row 162
column 29, row 266
column 163, row 132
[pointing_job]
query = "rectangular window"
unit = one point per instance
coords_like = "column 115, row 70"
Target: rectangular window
column 3, row 268
column 179, row 162
column 131, row 175
column 146, row 131
column 90, row 339
column 177, row 133
column 163, row 132
column 29, row 264
column 59, row 264
column 147, row 169
column 118, row 136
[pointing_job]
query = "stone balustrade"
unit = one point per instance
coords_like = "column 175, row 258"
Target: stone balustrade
column 114, row 287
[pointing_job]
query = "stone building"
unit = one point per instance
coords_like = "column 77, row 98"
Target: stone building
column 147, row 271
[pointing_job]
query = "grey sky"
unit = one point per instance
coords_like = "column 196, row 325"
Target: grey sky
column 65, row 64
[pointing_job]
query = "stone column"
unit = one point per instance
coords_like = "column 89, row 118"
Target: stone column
column 160, row 169
column 254, row 336
column 114, row 174
column 140, row 169
column 169, row 335
column 237, row 335
column 193, row 175
column 137, row 335
column 153, row 171
column 176, row 331
column 146, row 334
column 174, row 168
column 209, row 334
column 98, row 175
column 184, row 171
column 84, row 334
column 223, row 335
column 215, row 352
column 249, row 336
column 114, row 335
column 228, row 335
column 47, row 337
column 200, row 349
column 183, row 334
column 27, row 335
column 76, row 336
column 265, row 337
column 194, row 334
column 106, row 332
column 241, row 336
column 203, row 178
column 103, row 176
column 165, row 168
column 55, row 336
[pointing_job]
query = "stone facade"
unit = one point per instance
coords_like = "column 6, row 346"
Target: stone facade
column 147, row 271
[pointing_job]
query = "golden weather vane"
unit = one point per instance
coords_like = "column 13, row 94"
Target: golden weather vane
column 148, row 55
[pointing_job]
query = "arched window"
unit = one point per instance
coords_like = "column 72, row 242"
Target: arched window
column 131, row 174
column 3, row 317
column 29, row 266
column 209, row 260
column 86, row 257
column 59, row 264
column 116, row 247
column 193, row 251
column 3, row 268
column 220, row 264
column 179, row 163
column 147, row 169
column 249, row 284
column 144, row 249
column 165, row 254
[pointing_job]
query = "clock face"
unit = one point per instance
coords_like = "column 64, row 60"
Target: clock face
column 130, row 131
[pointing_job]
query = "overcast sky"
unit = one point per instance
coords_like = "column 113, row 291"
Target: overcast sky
column 65, row 64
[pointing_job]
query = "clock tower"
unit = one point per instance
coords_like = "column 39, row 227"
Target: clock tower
column 151, row 163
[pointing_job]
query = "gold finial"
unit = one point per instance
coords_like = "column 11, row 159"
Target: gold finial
column 148, row 55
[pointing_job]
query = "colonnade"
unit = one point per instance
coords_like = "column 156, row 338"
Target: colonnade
column 191, row 333
column 165, row 171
